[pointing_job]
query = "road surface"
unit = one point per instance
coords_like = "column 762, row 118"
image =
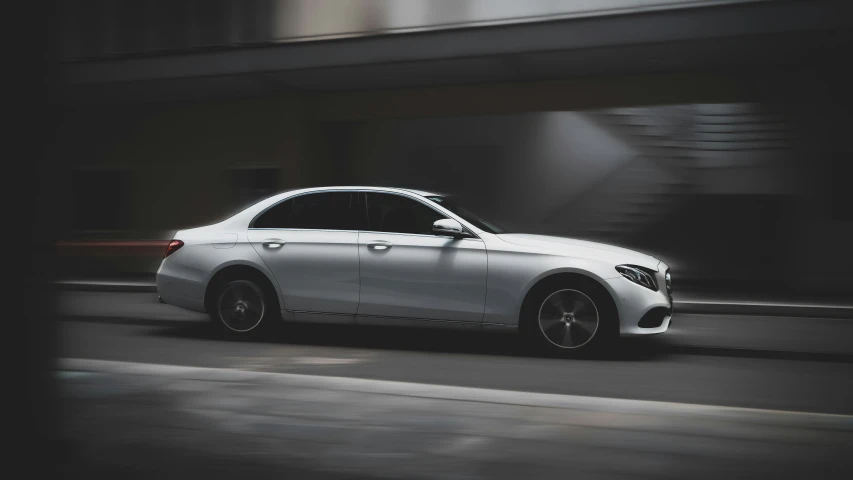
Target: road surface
column 717, row 395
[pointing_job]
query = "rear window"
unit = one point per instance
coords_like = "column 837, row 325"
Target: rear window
column 316, row 211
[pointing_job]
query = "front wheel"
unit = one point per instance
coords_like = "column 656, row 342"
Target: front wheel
column 567, row 320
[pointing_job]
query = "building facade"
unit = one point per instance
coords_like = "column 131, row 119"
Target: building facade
column 712, row 134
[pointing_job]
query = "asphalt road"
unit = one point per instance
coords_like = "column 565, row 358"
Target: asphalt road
column 801, row 364
column 154, row 391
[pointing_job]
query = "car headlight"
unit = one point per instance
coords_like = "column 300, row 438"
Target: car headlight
column 638, row 275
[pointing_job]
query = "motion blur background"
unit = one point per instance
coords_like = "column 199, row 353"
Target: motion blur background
column 714, row 134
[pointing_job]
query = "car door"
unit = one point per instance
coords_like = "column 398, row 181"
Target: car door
column 408, row 272
column 310, row 243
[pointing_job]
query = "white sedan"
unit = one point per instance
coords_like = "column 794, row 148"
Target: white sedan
column 392, row 256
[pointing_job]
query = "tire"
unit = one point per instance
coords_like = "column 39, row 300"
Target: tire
column 569, row 318
column 244, row 308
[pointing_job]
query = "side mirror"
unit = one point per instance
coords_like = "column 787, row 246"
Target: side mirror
column 448, row 226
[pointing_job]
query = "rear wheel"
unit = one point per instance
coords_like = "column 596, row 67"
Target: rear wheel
column 244, row 308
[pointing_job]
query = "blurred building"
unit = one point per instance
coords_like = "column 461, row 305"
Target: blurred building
column 711, row 133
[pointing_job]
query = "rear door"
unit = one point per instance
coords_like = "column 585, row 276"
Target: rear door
column 310, row 243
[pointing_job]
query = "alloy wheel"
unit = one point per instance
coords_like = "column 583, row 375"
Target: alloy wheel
column 568, row 318
column 241, row 306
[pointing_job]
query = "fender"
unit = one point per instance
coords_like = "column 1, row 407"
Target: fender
column 259, row 266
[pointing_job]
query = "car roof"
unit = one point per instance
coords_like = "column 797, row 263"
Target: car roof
column 336, row 187
column 246, row 215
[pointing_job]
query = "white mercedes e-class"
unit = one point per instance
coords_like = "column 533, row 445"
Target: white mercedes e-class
column 390, row 256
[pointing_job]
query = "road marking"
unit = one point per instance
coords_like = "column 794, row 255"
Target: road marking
column 325, row 361
column 468, row 394
column 262, row 363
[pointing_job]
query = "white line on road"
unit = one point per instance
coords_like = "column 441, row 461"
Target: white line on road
column 467, row 394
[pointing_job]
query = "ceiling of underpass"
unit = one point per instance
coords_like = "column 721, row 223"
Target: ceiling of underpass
column 719, row 39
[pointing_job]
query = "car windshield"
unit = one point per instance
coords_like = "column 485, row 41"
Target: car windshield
column 466, row 215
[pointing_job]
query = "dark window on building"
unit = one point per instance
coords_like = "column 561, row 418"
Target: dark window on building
column 321, row 211
column 100, row 199
column 167, row 25
column 129, row 27
column 91, row 28
column 397, row 214
column 253, row 19
column 213, row 22
column 250, row 185
column 842, row 195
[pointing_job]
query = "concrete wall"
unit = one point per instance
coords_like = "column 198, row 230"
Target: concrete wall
column 552, row 157
column 179, row 156
column 513, row 168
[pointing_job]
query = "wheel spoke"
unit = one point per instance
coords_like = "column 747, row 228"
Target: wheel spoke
column 252, row 313
column 230, row 297
column 240, row 293
column 548, row 322
column 556, row 332
column 577, row 306
column 556, row 301
column 579, row 334
column 567, row 339
column 588, row 324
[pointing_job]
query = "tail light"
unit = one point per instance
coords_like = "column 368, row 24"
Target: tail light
column 173, row 247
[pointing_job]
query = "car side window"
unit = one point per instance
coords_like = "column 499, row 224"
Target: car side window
column 276, row 217
column 397, row 214
column 317, row 211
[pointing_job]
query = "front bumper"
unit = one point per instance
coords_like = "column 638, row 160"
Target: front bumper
column 637, row 305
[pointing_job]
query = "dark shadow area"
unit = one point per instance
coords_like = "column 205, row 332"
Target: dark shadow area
column 437, row 340
column 369, row 337
column 133, row 461
column 755, row 353
column 472, row 342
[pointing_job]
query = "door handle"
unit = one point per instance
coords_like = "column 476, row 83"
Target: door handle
column 379, row 245
column 273, row 243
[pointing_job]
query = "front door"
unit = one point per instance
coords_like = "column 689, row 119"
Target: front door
column 408, row 272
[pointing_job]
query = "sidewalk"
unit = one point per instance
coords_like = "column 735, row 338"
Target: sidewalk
column 182, row 419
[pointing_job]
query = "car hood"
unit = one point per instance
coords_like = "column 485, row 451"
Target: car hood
column 580, row 248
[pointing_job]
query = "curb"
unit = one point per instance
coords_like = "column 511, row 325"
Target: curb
column 84, row 286
column 684, row 306
column 764, row 308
